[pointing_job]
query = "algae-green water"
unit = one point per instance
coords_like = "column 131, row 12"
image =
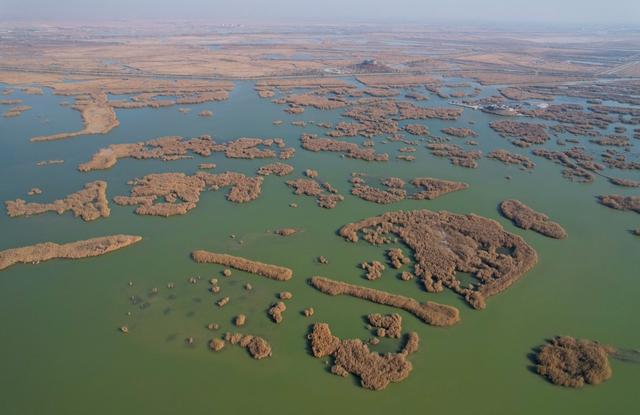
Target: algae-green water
column 62, row 352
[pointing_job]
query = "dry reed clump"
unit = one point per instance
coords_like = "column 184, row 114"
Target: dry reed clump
column 456, row 155
column 175, row 148
column 621, row 202
column 34, row 191
column 181, row 192
column 273, row 272
column 308, row 312
column 567, row 361
column 578, row 165
column 391, row 324
column 393, row 192
column 286, row 231
column 459, row 132
column 373, row 270
column 433, row 188
column 512, row 158
column 352, row 150
column 285, row 295
column 74, row 250
column 375, row 371
column 624, row 182
column 326, row 196
column 431, row 313
column 16, row 111
column 240, row 320
column 444, row 244
column 397, row 258
column 416, row 129
column 216, row 345
column 526, row 218
column 316, row 101
column 526, row 133
column 98, row 117
column 89, row 204
column 277, row 169
column 257, row 347
column 406, row 276
column 276, row 311
column 312, row 174
column 430, row 188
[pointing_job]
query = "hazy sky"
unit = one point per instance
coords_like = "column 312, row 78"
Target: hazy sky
column 551, row 11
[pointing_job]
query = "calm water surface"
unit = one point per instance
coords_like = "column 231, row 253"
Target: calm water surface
column 62, row 354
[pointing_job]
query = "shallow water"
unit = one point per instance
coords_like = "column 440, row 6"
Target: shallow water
column 62, row 353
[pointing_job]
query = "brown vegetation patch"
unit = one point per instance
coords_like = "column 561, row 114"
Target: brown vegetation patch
column 391, row 324
column 352, row 150
column 74, row 250
column 431, row 188
column 97, row 115
column 456, row 154
column 274, row 272
column 621, row 202
column 373, row 270
column 276, row 311
column 89, row 204
column 431, row 313
column 180, row 193
column 278, row 169
column 397, row 81
column 521, row 94
column 417, row 129
column 326, row 196
column 397, row 258
column 526, row 133
column 174, row 147
column 444, row 244
column 286, row 231
column 570, row 362
column 512, row 158
column 459, row 132
column 375, row 371
column 526, row 218
column 257, row 347
column 578, row 165
column 316, row 101
column 16, row 111
column 624, row 182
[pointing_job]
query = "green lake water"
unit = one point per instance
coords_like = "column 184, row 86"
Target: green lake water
column 61, row 352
